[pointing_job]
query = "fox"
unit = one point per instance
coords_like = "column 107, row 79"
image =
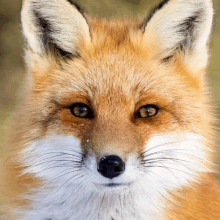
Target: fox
column 116, row 119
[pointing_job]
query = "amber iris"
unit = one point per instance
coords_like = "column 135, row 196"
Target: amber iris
column 81, row 110
column 147, row 111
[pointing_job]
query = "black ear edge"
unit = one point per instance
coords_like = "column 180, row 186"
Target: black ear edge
column 48, row 42
column 80, row 9
column 151, row 14
column 77, row 6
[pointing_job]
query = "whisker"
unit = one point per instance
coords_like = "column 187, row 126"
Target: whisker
column 76, row 188
column 80, row 176
column 66, row 173
column 168, row 168
column 172, row 150
column 172, row 160
column 63, row 153
column 69, row 151
column 158, row 166
column 153, row 160
column 54, row 154
column 164, row 144
column 58, row 176
column 59, row 166
column 56, row 161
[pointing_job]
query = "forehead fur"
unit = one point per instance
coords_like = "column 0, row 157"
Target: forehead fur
column 117, row 62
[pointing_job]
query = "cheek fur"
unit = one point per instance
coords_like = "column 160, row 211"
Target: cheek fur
column 54, row 158
column 175, row 159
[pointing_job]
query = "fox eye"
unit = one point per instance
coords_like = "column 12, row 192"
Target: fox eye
column 81, row 110
column 147, row 111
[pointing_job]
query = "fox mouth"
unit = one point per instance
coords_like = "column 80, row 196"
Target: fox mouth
column 114, row 185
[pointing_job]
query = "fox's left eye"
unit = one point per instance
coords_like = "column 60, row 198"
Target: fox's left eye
column 81, row 110
column 147, row 111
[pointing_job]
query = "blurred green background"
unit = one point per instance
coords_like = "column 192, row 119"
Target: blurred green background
column 11, row 52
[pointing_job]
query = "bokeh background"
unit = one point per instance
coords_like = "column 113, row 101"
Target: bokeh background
column 12, row 67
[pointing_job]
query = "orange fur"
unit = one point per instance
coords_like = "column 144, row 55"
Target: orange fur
column 111, row 77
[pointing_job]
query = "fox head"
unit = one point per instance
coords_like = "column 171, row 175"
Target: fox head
column 116, row 107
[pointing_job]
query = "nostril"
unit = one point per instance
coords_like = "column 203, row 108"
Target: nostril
column 117, row 169
column 102, row 168
column 111, row 166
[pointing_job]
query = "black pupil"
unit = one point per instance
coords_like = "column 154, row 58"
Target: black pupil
column 80, row 111
column 147, row 111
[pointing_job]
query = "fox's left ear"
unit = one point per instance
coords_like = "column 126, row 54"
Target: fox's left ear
column 181, row 26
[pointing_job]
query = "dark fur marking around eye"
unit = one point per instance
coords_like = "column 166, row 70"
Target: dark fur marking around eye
column 49, row 44
column 153, row 11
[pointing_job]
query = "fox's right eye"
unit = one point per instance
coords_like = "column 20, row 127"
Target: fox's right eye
column 81, row 110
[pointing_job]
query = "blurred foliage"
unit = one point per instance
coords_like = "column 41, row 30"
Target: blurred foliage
column 11, row 52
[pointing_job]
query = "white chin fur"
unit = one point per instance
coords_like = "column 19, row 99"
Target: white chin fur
column 77, row 191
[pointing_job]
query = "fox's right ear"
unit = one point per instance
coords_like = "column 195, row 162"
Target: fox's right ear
column 57, row 27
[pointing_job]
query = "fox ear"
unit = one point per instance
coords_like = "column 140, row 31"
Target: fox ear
column 181, row 25
column 54, row 26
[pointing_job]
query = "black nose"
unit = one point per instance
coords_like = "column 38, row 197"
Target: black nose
column 111, row 166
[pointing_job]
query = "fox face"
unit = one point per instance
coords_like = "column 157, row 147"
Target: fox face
column 117, row 116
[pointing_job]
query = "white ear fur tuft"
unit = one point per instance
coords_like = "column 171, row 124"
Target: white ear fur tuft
column 54, row 25
column 183, row 25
